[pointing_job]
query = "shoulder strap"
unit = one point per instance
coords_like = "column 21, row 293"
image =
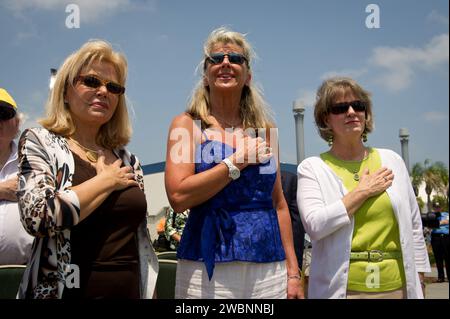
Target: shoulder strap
column 205, row 135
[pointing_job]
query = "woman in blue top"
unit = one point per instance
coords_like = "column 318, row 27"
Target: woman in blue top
column 237, row 242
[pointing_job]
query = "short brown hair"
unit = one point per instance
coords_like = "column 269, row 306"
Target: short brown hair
column 326, row 95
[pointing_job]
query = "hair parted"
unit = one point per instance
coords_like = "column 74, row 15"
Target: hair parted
column 117, row 131
column 329, row 90
column 254, row 110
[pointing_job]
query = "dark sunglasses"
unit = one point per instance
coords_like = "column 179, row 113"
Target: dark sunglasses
column 6, row 113
column 340, row 108
column 234, row 58
column 95, row 82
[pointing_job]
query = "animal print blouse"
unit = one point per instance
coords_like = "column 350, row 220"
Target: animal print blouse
column 49, row 208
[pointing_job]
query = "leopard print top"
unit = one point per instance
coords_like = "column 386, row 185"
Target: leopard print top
column 49, row 208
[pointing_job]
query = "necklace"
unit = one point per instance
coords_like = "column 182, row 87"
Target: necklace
column 355, row 175
column 360, row 166
column 91, row 155
column 355, row 172
column 227, row 124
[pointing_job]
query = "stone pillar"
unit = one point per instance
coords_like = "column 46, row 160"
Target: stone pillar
column 299, row 109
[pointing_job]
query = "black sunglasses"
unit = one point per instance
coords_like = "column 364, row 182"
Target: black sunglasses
column 234, row 58
column 6, row 113
column 340, row 108
column 95, row 82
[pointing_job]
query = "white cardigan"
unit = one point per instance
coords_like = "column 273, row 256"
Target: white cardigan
column 325, row 219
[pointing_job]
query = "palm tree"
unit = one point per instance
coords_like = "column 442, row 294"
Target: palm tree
column 435, row 177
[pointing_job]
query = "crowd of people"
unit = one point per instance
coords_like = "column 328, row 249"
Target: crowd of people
column 72, row 196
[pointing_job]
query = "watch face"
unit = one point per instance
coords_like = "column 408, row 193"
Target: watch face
column 235, row 173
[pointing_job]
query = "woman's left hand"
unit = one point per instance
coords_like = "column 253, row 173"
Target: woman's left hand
column 295, row 289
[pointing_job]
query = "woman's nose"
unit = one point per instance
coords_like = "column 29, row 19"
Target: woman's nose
column 350, row 110
column 225, row 61
column 102, row 90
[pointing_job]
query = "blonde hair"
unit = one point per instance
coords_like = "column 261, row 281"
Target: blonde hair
column 326, row 95
column 117, row 131
column 254, row 110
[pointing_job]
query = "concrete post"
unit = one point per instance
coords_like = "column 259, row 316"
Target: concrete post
column 404, row 138
column 299, row 109
column 52, row 78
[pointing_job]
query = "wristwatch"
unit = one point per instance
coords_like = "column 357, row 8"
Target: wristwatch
column 233, row 171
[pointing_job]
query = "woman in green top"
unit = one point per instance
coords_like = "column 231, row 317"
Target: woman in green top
column 357, row 204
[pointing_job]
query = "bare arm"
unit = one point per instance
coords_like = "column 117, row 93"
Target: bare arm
column 295, row 288
column 184, row 188
column 8, row 189
column 176, row 237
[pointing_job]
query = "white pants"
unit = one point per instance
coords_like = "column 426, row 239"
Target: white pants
column 231, row 280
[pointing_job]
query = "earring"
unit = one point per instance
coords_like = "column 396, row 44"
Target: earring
column 364, row 137
column 330, row 140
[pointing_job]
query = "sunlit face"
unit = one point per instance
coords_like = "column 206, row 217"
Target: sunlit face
column 94, row 106
column 226, row 75
column 347, row 124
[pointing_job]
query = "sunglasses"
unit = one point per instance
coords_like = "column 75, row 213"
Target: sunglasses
column 95, row 82
column 6, row 114
column 234, row 58
column 340, row 108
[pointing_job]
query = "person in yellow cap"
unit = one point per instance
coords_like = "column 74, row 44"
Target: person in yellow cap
column 8, row 107
column 15, row 243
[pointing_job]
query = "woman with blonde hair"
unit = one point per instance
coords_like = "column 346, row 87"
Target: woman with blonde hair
column 237, row 242
column 81, row 192
column 358, row 206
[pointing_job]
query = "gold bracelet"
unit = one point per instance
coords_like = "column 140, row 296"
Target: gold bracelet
column 300, row 275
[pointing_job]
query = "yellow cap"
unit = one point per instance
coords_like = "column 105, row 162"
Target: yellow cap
column 8, row 106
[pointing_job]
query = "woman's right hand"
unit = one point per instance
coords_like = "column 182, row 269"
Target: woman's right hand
column 375, row 183
column 118, row 177
column 369, row 185
column 251, row 151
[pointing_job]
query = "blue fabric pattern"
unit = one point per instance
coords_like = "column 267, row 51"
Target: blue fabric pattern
column 239, row 223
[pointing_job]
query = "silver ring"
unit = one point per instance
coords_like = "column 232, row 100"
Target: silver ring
column 268, row 149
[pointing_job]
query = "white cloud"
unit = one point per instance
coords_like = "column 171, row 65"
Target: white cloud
column 353, row 73
column 435, row 117
column 22, row 6
column 435, row 16
column 400, row 63
column 90, row 10
column 307, row 98
column 22, row 37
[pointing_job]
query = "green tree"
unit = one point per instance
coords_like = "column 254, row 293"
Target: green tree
column 435, row 177
column 421, row 203
column 442, row 200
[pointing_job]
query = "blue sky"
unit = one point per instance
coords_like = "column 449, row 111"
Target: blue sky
column 404, row 63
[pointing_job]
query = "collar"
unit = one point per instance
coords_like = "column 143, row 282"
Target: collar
column 12, row 160
column 13, row 156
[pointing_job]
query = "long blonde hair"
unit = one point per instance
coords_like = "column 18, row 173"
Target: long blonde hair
column 254, row 110
column 117, row 131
